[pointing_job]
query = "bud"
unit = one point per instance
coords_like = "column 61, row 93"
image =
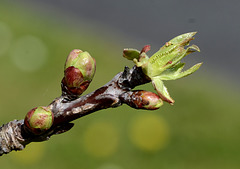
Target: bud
column 142, row 99
column 166, row 63
column 38, row 120
column 79, row 70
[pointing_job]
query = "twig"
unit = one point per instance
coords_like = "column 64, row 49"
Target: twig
column 41, row 123
column 14, row 136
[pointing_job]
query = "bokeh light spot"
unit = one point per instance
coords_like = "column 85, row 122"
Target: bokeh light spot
column 149, row 132
column 110, row 166
column 29, row 53
column 101, row 139
column 32, row 154
column 5, row 38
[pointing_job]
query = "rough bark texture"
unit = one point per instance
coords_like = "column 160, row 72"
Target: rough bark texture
column 14, row 135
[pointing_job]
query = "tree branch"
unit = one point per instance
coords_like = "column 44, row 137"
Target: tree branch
column 41, row 123
column 14, row 136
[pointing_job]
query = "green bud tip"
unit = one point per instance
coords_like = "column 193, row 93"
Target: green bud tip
column 72, row 58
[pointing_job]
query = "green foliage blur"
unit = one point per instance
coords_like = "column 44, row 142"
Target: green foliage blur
column 200, row 131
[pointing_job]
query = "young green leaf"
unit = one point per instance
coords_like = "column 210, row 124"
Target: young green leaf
column 162, row 90
column 166, row 64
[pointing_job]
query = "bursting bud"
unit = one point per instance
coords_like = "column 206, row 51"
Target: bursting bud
column 166, row 63
column 79, row 70
column 142, row 99
column 38, row 120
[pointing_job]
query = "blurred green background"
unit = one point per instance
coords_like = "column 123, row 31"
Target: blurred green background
column 200, row 131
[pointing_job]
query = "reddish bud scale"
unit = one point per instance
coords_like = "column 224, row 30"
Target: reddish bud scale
column 146, row 48
column 73, row 77
column 74, row 90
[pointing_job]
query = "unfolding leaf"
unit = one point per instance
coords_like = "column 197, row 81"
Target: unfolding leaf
column 175, row 73
column 170, row 54
column 184, row 38
column 161, row 90
column 158, row 61
column 131, row 54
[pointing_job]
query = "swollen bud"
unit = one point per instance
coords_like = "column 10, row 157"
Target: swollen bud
column 38, row 120
column 79, row 70
column 142, row 100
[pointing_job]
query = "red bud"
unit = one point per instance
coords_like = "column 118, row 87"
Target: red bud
column 142, row 100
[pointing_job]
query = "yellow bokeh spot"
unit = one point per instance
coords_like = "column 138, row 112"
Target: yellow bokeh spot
column 32, row 154
column 101, row 139
column 149, row 132
column 109, row 166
